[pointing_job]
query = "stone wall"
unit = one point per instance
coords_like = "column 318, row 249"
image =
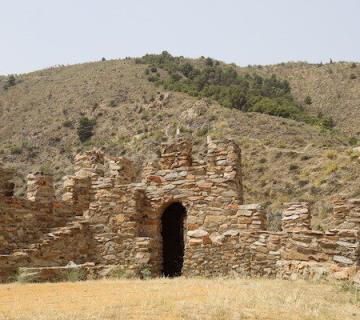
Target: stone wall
column 296, row 217
column 18, row 223
column 40, row 189
column 38, row 229
column 25, row 221
column 263, row 253
column 107, row 218
column 210, row 190
column 77, row 193
column 71, row 243
column 346, row 212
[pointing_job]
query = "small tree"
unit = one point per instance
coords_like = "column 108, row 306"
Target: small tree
column 11, row 81
column 209, row 62
column 308, row 100
column 186, row 69
column 85, row 128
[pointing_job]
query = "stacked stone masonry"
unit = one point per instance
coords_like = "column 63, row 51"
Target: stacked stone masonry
column 346, row 212
column 108, row 218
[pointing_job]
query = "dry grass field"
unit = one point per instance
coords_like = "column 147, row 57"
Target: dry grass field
column 178, row 299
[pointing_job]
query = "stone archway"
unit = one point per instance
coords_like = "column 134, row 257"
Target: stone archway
column 172, row 232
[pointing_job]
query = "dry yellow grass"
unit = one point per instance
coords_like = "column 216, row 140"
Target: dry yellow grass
column 177, row 299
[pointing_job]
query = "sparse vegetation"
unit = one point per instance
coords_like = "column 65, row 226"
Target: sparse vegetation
column 353, row 141
column 47, row 168
column 145, row 273
column 15, row 150
column 203, row 131
column 67, row 124
column 330, row 167
column 348, row 286
column 308, row 100
column 113, row 103
column 293, row 166
column 85, row 128
column 331, row 154
column 10, row 82
column 76, row 274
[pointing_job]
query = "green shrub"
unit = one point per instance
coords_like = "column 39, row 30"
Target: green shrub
column 85, row 128
column 276, row 107
column 246, row 92
column 308, row 100
column 67, row 124
column 331, row 154
column 202, row 131
column 76, row 274
column 113, row 103
column 145, row 273
column 153, row 78
column 327, row 123
column 10, row 82
column 15, row 150
column 209, row 62
column 293, row 167
column 47, row 168
column 353, row 65
column 353, row 141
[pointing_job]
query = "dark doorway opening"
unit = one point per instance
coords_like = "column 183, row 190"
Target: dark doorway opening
column 172, row 231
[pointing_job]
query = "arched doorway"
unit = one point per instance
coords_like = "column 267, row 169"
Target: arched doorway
column 172, row 231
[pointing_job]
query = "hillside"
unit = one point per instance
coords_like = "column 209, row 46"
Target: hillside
column 283, row 159
column 333, row 88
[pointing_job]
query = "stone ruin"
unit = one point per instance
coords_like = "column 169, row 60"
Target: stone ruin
column 183, row 216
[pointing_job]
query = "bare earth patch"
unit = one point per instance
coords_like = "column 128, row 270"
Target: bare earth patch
column 177, row 299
